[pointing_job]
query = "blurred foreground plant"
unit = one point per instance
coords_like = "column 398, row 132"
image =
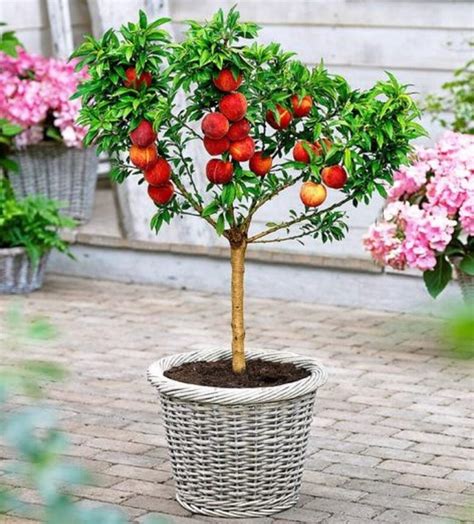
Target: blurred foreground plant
column 457, row 99
column 32, row 432
column 458, row 332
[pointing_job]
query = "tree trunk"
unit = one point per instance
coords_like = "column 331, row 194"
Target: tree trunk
column 237, row 291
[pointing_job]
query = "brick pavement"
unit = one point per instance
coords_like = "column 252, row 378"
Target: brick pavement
column 390, row 441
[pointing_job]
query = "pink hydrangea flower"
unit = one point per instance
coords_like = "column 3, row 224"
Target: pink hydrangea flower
column 34, row 88
column 466, row 215
column 426, row 202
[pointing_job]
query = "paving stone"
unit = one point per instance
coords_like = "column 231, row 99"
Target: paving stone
column 444, row 497
column 419, row 481
column 463, row 513
column 462, row 474
column 147, row 503
column 128, row 458
column 303, row 515
column 400, row 454
column 346, row 458
column 390, row 501
column 382, row 488
column 439, row 449
column 434, row 438
column 116, row 445
column 408, row 517
column 377, row 440
column 331, row 492
column 418, row 469
column 137, row 473
column 345, row 508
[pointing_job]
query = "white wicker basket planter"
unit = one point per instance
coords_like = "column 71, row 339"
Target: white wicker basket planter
column 61, row 173
column 465, row 281
column 237, row 452
column 18, row 274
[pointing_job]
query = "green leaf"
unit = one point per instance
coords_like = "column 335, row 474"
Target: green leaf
column 210, row 209
column 438, row 278
column 8, row 164
column 467, row 264
column 220, row 226
column 143, row 20
column 9, row 129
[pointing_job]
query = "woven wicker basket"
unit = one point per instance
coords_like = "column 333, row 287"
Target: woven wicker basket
column 18, row 274
column 62, row 173
column 237, row 452
column 466, row 282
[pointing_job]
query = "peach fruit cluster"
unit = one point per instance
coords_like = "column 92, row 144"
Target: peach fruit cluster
column 144, row 153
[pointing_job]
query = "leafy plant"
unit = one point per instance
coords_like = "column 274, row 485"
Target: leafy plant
column 366, row 133
column 38, row 442
column 428, row 222
column 458, row 100
column 32, row 223
column 9, row 42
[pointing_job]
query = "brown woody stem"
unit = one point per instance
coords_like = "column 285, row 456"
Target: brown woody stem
column 237, row 259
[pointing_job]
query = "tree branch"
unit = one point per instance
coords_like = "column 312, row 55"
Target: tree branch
column 281, row 239
column 257, row 204
column 302, row 218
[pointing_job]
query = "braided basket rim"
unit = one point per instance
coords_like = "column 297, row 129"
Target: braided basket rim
column 236, row 396
column 47, row 144
column 11, row 251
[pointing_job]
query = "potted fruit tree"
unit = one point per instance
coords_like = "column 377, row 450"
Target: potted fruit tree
column 238, row 421
column 35, row 94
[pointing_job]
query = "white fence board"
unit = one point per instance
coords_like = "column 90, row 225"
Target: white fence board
column 385, row 47
column 368, row 13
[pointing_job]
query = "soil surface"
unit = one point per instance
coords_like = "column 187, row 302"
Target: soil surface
column 259, row 373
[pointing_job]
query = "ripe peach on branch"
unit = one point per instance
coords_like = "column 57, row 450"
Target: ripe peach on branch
column 136, row 81
column 143, row 135
column 143, row 157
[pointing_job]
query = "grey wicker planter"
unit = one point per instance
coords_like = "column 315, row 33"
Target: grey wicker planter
column 18, row 274
column 62, row 173
column 237, row 452
column 466, row 282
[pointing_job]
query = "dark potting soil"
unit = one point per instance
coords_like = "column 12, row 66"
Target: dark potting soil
column 259, row 373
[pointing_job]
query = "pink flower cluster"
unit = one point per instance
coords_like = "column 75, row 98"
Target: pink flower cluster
column 430, row 204
column 33, row 89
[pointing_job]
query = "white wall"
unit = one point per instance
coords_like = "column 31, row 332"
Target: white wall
column 421, row 41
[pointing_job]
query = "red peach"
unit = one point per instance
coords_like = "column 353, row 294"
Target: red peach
column 285, row 117
column 334, row 176
column 216, row 147
column 219, row 171
column 215, row 125
column 226, row 81
column 318, row 148
column 143, row 157
column 301, row 106
column 159, row 173
column 312, row 194
column 131, row 79
column 260, row 164
column 233, row 106
column 143, row 135
column 242, row 150
column 162, row 194
column 300, row 154
column 239, row 130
